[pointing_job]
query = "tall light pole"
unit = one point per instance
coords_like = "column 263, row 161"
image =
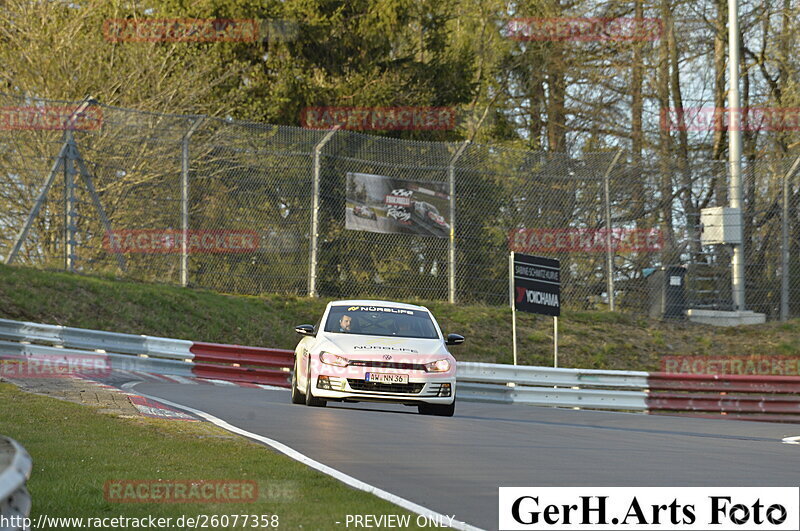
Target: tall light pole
column 735, row 124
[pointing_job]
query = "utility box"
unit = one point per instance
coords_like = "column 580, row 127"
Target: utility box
column 720, row 226
column 667, row 292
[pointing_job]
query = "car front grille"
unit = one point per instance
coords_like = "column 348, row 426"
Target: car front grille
column 388, row 365
column 406, row 389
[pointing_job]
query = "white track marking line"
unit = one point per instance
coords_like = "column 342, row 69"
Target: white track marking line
column 166, row 377
column 791, row 440
column 125, row 373
column 149, row 377
column 183, row 380
column 272, row 387
column 316, row 465
column 220, row 382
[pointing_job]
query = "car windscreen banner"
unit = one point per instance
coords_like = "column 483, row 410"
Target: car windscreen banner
column 377, row 203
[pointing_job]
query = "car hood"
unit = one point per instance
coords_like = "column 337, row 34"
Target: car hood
column 358, row 347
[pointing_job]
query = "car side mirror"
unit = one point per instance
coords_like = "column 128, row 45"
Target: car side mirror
column 454, row 339
column 305, row 330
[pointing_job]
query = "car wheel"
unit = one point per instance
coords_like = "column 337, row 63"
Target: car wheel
column 439, row 410
column 311, row 400
column 297, row 396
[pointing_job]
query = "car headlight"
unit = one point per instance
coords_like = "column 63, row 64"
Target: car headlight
column 438, row 366
column 333, row 359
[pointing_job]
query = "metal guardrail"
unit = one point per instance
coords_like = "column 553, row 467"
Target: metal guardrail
column 754, row 397
column 732, row 396
column 744, row 397
column 238, row 363
column 102, row 362
column 528, row 375
column 81, row 338
column 486, row 382
column 543, row 386
column 42, row 346
column 15, row 469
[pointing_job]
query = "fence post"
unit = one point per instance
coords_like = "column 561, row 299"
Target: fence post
column 60, row 163
column 785, row 241
column 69, row 204
column 451, row 251
column 70, row 156
column 48, row 182
column 87, row 181
column 313, row 247
column 735, row 116
column 609, row 251
column 185, row 200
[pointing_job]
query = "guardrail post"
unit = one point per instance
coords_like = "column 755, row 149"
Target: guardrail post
column 609, row 251
column 451, row 251
column 313, row 247
column 185, row 200
column 785, row 241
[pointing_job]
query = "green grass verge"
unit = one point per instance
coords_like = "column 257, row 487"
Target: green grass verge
column 76, row 450
column 591, row 339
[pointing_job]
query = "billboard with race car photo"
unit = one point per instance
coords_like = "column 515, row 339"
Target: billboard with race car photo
column 377, row 203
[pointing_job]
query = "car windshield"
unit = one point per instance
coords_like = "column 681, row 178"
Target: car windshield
column 380, row 321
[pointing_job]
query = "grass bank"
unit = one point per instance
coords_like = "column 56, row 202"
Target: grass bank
column 81, row 450
column 592, row 339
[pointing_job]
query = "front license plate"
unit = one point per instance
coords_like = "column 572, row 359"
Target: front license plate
column 386, row 378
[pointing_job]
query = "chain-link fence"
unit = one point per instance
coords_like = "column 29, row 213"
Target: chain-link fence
column 252, row 208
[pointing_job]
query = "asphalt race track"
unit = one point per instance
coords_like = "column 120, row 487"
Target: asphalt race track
column 455, row 465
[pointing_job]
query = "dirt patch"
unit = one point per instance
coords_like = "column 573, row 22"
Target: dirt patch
column 106, row 400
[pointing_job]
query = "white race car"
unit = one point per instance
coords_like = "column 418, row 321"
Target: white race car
column 376, row 351
column 362, row 211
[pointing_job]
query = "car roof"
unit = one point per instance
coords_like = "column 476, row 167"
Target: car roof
column 367, row 302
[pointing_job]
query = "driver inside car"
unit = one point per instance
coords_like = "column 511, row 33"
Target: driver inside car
column 345, row 323
column 404, row 329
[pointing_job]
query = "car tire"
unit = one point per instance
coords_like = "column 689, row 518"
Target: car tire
column 439, row 410
column 297, row 396
column 311, row 400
